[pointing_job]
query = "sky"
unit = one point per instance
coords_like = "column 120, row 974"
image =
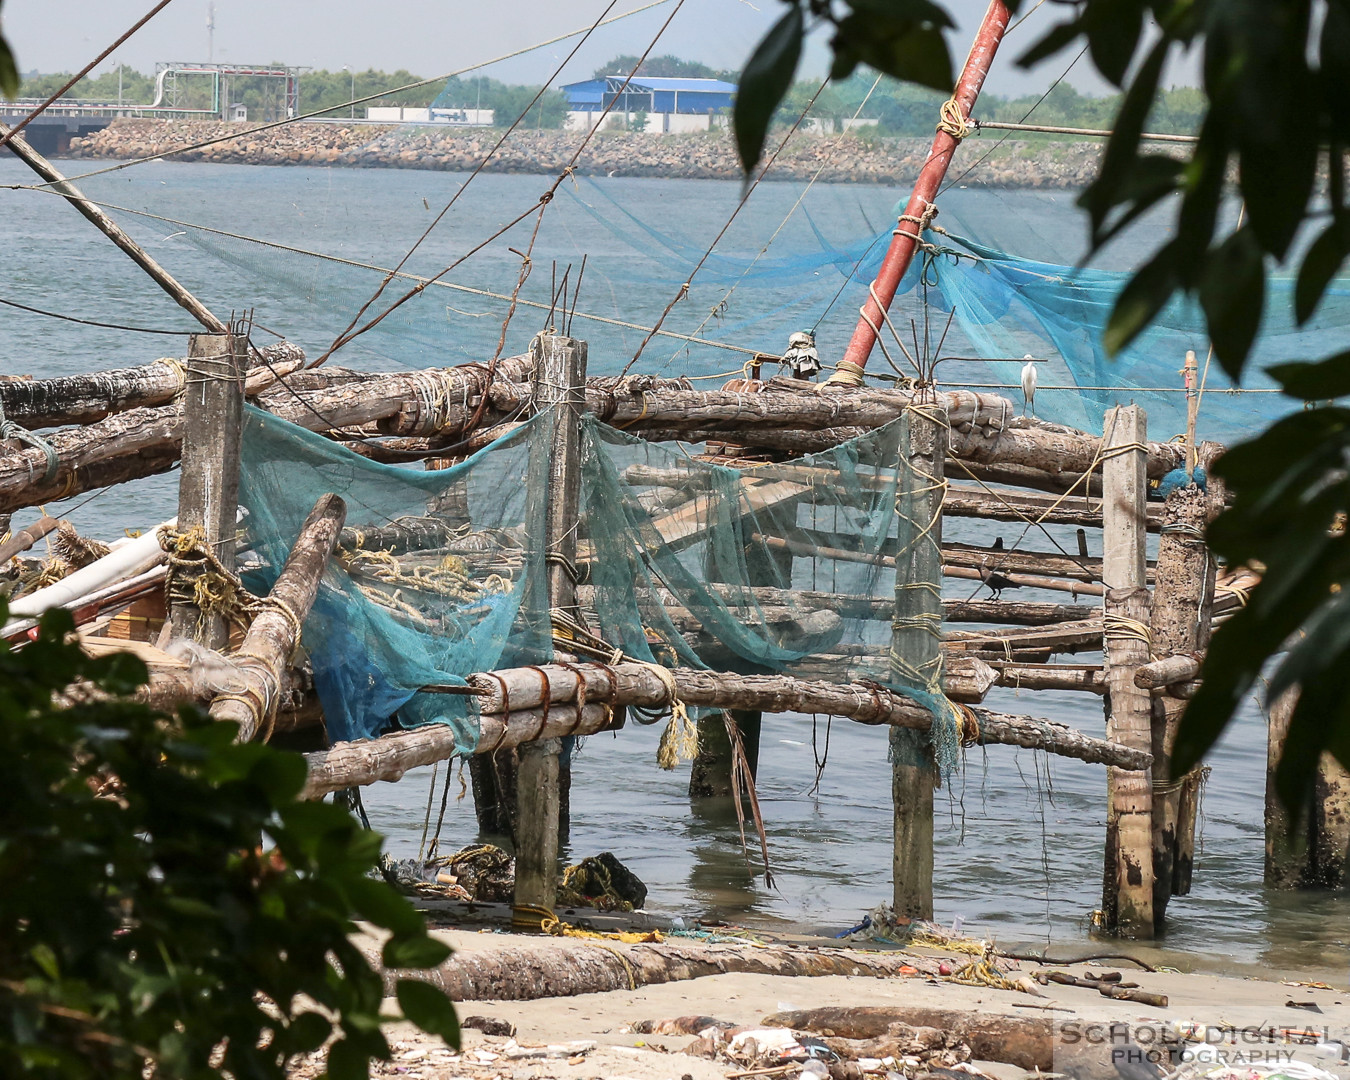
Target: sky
column 442, row 36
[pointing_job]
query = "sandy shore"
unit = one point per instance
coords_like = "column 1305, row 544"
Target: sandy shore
column 838, row 158
column 590, row 1035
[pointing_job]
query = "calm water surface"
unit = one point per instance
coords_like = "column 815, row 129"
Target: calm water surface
column 1019, row 833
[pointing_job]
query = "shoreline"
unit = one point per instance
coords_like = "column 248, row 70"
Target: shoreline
column 848, row 158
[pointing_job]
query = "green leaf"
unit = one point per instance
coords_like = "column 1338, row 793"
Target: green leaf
column 1143, row 296
column 9, row 71
column 1054, row 41
column 347, row 1061
column 413, row 951
column 1233, row 294
column 907, row 49
column 1113, row 28
column 1320, row 263
column 280, row 773
column 428, row 1007
column 1321, row 381
column 765, row 80
column 379, row 903
column 307, row 1032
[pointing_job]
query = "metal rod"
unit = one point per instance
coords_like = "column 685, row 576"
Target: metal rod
column 111, row 230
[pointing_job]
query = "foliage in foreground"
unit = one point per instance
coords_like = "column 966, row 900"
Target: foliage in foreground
column 164, row 897
column 1274, row 114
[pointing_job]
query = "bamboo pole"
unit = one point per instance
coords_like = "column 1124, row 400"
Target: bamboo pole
column 24, row 539
column 109, row 228
column 275, row 631
column 1127, row 896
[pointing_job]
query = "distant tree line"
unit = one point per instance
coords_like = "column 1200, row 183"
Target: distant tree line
column 899, row 108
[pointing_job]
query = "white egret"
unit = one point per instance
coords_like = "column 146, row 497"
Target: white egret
column 1029, row 385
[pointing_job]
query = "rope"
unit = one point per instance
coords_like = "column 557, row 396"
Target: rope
column 93, row 322
column 1117, row 627
column 953, row 121
column 10, row 430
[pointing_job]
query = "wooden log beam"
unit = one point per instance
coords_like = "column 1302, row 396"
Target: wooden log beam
column 275, row 631
column 86, row 398
column 24, row 539
column 984, row 428
column 1086, row 677
column 1127, row 899
column 1022, row 506
column 1168, row 671
column 1059, row 637
column 390, row 756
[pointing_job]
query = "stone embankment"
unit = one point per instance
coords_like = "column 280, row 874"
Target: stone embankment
column 841, row 158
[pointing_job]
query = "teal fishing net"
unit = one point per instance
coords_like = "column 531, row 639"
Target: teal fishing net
column 435, row 576
column 787, row 566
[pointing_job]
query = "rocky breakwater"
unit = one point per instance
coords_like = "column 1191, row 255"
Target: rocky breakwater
column 837, row 158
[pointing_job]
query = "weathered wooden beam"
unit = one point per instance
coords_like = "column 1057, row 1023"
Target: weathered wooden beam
column 390, row 756
column 24, row 539
column 1087, row 677
column 271, row 639
column 208, row 483
column 1127, row 900
column 89, row 397
column 1166, row 672
column 559, row 386
column 916, row 660
column 1024, row 506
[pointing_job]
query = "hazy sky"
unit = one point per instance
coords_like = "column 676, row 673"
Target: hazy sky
column 432, row 37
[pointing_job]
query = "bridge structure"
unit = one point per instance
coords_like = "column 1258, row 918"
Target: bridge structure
column 68, row 118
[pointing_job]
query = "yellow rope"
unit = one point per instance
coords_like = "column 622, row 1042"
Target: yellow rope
column 953, row 121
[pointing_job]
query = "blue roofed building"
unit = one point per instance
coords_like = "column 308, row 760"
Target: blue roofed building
column 670, row 104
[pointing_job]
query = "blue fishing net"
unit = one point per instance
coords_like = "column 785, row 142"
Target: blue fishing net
column 435, row 576
column 790, row 566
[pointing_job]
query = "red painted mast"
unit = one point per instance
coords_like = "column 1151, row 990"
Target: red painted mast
column 901, row 252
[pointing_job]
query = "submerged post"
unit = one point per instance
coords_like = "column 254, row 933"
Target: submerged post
column 560, row 382
column 208, row 485
column 916, row 657
column 1127, row 891
column 1179, row 621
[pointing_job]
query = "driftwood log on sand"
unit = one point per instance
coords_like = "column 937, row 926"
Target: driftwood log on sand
column 528, row 974
column 271, row 639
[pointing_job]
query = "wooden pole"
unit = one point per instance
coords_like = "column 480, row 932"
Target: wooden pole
column 1192, row 409
column 1329, row 826
column 208, row 485
column 916, row 658
column 1127, row 894
column 904, row 243
column 1179, row 622
column 271, row 640
column 1286, row 851
column 560, row 390
column 112, row 231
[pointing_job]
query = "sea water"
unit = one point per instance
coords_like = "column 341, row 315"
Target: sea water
column 1019, row 834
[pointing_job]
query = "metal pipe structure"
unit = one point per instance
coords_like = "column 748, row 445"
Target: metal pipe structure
column 904, row 242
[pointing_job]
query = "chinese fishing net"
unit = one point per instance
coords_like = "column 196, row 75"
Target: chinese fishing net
column 435, row 574
column 786, row 567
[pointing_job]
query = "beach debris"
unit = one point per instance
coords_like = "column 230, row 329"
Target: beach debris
column 480, row 872
column 883, row 924
column 602, row 882
column 488, row 1025
column 682, row 1025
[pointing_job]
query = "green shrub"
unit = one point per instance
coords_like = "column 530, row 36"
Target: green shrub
column 166, row 899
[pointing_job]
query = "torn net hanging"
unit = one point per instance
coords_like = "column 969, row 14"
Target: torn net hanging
column 784, row 567
column 436, row 574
